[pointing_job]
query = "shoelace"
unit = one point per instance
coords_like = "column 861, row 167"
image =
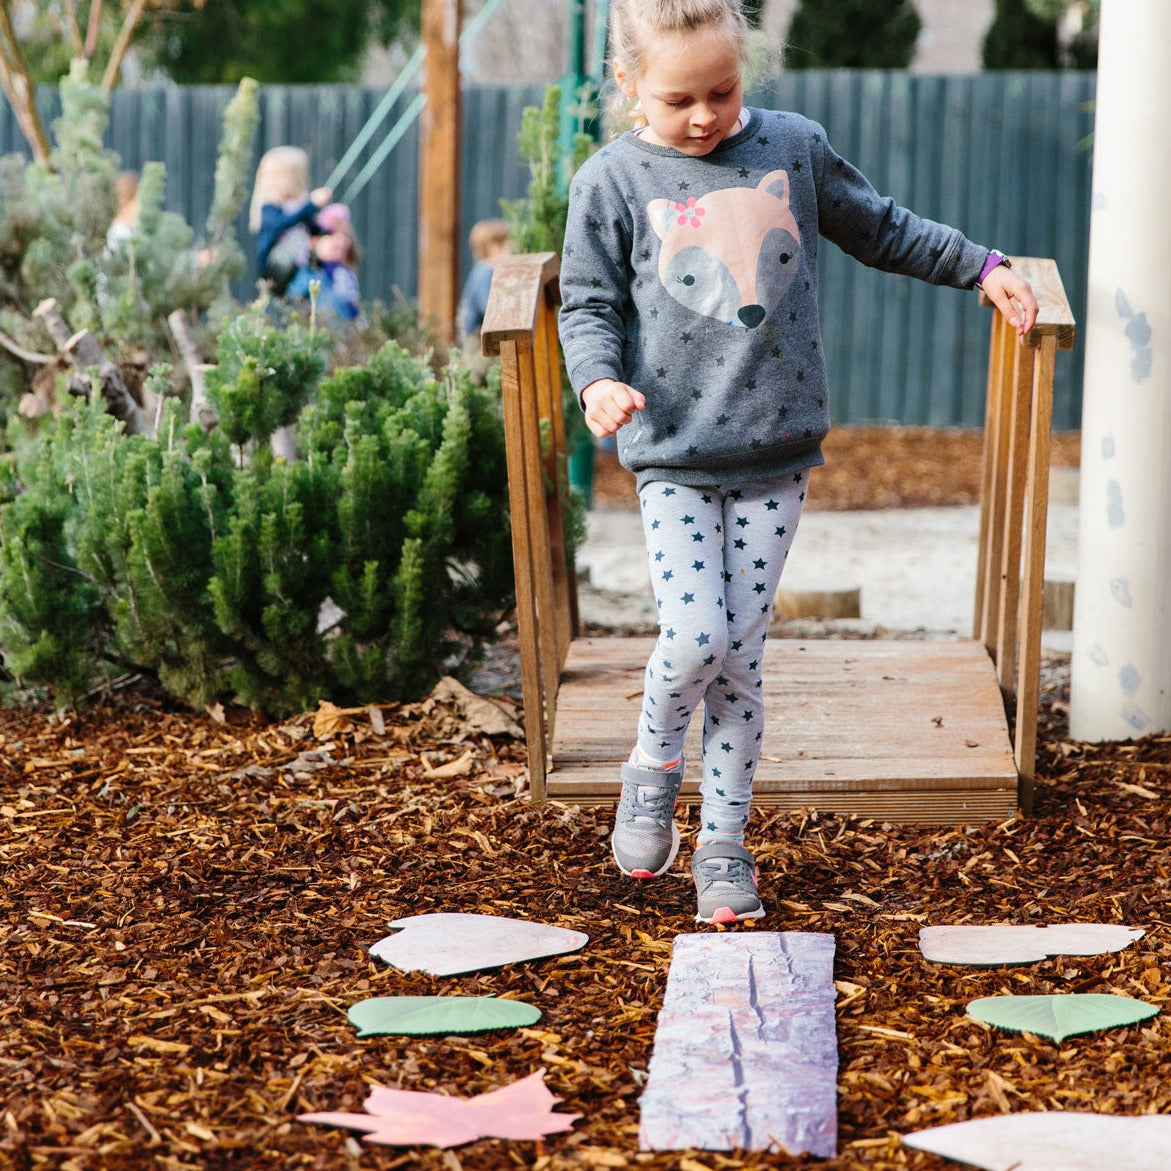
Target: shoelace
column 652, row 801
column 732, row 870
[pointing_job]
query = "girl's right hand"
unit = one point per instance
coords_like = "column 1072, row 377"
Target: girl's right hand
column 610, row 405
column 320, row 196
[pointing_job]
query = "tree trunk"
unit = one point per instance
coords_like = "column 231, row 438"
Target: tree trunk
column 21, row 89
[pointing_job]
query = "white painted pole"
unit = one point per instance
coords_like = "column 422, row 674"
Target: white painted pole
column 1121, row 666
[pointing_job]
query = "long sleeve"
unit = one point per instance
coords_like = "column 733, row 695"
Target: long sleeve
column 595, row 280
column 875, row 230
column 275, row 221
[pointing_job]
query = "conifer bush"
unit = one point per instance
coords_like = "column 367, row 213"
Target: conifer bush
column 53, row 222
column 361, row 571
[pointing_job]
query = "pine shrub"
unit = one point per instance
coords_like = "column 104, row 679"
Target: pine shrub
column 361, row 571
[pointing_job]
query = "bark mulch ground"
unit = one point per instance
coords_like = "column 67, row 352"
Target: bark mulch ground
column 188, row 899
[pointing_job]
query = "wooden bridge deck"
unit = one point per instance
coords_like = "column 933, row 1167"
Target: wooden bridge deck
column 899, row 730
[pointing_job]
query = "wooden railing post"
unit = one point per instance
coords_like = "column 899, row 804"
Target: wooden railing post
column 519, row 327
column 1014, row 506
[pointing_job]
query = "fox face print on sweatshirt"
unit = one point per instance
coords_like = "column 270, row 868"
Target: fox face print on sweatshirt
column 730, row 254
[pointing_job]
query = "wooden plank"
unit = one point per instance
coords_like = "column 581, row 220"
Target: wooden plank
column 1031, row 618
column 745, row 1052
column 537, row 518
column 514, row 302
column 439, row 182
column 1054, row 316
column 994, row 504
column 903, row 729
column 522, row 565
column 549, row 405
column 1016, row 476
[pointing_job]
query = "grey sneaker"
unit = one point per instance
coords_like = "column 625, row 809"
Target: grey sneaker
column 725, row 883
column 645, row 839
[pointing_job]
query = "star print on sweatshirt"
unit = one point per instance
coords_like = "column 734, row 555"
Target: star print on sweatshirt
column 694, row 280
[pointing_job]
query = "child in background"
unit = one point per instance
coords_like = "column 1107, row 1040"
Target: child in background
column 126, row 217
column 283, row 215
column 690, row 329
column 488, row 241
column 337, row 258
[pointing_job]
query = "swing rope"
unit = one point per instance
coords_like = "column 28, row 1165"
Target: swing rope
column 405, row 119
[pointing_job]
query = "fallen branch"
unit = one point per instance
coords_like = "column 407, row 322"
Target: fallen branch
column 85, row 354
column 18, row 351
column 202, row 412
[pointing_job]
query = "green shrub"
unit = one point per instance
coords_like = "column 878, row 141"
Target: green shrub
column 362, row 571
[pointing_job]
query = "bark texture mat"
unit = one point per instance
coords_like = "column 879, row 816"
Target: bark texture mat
column 745, row 1054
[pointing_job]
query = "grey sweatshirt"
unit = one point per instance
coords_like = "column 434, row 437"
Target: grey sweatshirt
column 694, row 280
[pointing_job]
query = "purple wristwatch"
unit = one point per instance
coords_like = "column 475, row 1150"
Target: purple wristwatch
column 995, row 259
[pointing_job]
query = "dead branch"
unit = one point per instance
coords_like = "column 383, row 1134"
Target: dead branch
column 202, row 412
column 18, row 351
column 122, row 43
column 93, row 30
column 74, row 27
column 85, row 354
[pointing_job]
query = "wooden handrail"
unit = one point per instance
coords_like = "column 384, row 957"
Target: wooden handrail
column 519, row 285
column 1014, row 504
column 520, row 326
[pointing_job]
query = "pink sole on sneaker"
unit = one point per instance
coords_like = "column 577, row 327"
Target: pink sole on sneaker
column 643, row 874
column 725, row 915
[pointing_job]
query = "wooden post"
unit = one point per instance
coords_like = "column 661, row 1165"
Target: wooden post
column 439, row 145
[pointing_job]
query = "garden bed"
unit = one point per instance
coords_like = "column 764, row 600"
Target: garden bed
column 188, row 900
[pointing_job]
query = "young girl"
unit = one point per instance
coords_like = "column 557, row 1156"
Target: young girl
column 335, row 261
column 690, row 330
column 282, row 214
column 338, row 257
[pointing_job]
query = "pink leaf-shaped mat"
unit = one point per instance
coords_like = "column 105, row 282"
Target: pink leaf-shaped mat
column 521, row 1110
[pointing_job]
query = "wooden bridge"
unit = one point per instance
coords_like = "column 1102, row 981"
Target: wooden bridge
column 924, row 731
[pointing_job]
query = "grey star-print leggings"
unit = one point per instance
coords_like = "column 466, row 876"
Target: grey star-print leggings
column 716, row 555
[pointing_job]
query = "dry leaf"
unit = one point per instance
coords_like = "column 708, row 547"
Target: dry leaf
column 480, row 714
column 329, row 720
column 459, row 767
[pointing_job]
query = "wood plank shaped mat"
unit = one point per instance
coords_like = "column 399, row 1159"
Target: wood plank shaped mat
column 910, row 730
column 745, row 1051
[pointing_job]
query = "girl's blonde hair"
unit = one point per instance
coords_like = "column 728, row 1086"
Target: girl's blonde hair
column 282, row 176
column 636, row 24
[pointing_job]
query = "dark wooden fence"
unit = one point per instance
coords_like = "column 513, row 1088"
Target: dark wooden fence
column 1002, row 155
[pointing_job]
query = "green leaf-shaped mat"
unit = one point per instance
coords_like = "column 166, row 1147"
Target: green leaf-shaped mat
column 417, row 1016
column 1060, row 1016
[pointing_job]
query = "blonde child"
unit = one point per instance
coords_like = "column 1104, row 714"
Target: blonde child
column 690, row 330
column 282, row 215
column 488, row 241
